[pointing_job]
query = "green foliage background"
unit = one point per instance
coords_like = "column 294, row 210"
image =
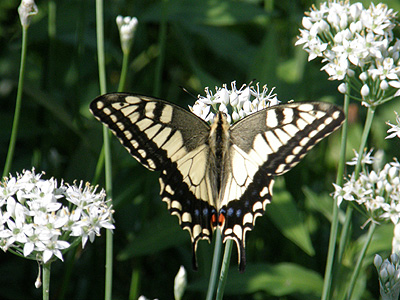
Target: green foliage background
column 208, row 43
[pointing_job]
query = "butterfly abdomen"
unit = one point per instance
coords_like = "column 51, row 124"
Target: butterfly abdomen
column 218, row 140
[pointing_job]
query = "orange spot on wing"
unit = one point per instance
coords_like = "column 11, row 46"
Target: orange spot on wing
column 221, row 219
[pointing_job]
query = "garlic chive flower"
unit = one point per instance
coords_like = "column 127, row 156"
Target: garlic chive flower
column 389, row 276
column 235, row 103
column 39, row 219
column 366, row 159
column 126, row 27
column 377, row 192
column 357, row 43
column 26, row 10
column 395, row 129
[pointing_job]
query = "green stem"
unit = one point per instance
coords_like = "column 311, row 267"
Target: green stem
column 100, row 46
column 215, row 265
column 99, row 167
column 18, row 101
column 357, row 269
column 124, row 71
column 161, row 42
column 46, row 280
column 345, row 231
column 364, row 138
column 134, row 286
column 335, row 219
column 224, row 270
column 107, row 149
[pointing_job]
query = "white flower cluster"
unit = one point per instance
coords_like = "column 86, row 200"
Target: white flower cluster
column 353, row 40
column 236, row 104
column 126, row 27
column 378, row 192
column 389, row 276
column 39, row 219
column 395, row 129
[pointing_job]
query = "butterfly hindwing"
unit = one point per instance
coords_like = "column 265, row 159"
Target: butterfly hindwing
column 167, row 138
column 265, row 144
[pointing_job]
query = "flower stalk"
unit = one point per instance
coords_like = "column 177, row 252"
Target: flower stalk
column 17, row 113
column 335, row 214
column 46, row 280
column 26, row 10
column 212, row 284
column 224, row 270
column 126, row 27
column 360, row 260
column 106, row 139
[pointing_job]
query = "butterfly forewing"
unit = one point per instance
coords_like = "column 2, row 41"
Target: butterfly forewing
column 167, row 138
column 268, row 143
column 206, row 182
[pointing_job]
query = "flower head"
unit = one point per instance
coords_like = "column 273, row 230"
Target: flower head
column 35, row 217
column 352, row 39
column 378, row 192
column 127, row 27
column 236, row 104
column 389, row 276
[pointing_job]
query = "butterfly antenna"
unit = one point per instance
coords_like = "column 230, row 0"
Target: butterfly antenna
column 186, row 91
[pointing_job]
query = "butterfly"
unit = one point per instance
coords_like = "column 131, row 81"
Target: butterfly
column 216, row 175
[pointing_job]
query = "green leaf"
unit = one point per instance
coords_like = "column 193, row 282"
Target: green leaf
column 284, row 214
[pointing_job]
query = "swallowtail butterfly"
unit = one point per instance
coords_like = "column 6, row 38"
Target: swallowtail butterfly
column 218, row 175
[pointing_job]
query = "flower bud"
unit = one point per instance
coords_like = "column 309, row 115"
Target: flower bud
column 350, row 73
column 390, row 269
column 384, row 85
column 364, row 90
column 377, row 261
column 235, row 116
column 363, row 76
column 180, row 283
column 127, row 27
column 26, row 10
column 383, row 274
column 342, row 88
column 234, row 98
column 394, row 258
column 223, row 95
column 223, row 108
